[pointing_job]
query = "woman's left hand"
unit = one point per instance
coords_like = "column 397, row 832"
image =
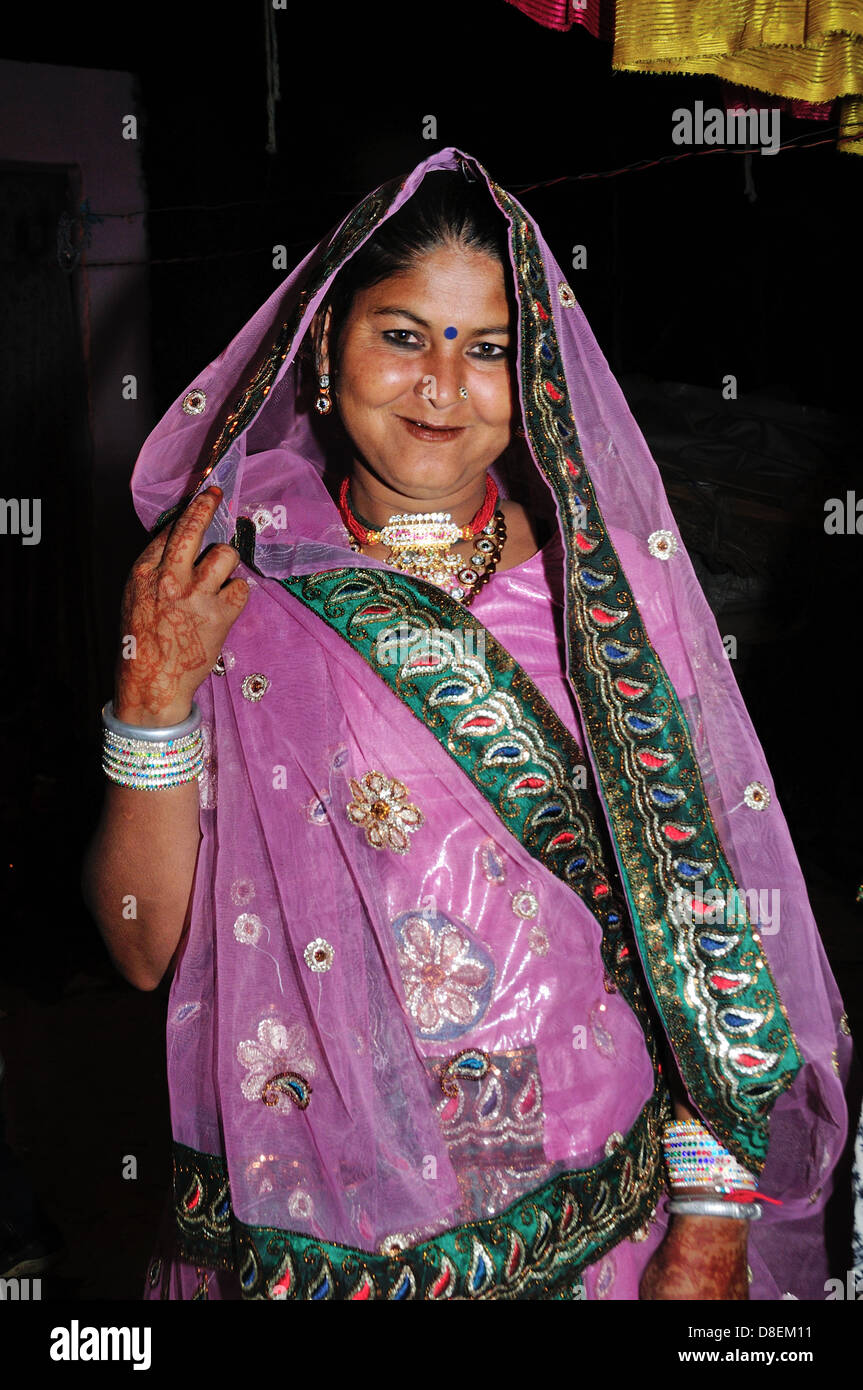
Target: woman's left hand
column 701, row 1257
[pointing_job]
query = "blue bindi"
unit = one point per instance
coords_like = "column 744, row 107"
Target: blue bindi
column 450, row 332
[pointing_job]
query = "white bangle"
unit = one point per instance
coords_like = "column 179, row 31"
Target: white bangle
column 149, row 759
column 142, row 733
column 696, row 1206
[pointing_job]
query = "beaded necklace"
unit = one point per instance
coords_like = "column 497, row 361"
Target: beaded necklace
column 420, row 543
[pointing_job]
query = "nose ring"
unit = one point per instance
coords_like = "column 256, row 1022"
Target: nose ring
column 462, row 390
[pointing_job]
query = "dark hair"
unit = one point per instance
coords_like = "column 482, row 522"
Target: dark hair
column 446, row 210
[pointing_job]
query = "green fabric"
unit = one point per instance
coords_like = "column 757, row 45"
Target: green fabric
column 537, row 1248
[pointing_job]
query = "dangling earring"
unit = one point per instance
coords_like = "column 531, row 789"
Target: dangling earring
column 323, row 404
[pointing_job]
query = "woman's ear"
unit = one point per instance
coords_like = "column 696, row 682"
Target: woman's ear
column 321, row 340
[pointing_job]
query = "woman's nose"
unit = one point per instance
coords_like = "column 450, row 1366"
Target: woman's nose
column 439, row 381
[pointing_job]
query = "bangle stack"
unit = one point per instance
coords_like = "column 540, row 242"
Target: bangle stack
column 695, row 1159
column 150, row 759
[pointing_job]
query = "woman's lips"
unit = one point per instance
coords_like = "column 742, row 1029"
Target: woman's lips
column 431, row 433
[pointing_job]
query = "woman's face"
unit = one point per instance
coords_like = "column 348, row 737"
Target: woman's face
column 408, row 345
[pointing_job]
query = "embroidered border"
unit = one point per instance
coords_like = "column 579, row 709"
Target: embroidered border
column 536, row 1249
column 646, row 762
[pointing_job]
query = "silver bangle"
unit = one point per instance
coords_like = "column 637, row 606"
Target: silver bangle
column 697, row 1206
column 168, row 733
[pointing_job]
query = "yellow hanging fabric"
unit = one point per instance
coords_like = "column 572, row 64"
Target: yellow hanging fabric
column 809, row 50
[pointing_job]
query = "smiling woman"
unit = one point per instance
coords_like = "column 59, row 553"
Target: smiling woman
column 451, row 776
column 416, row 340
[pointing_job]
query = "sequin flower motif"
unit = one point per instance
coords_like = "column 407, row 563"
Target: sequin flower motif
column 381, row 807
column 447, row 977
column 662, row 544
column 255, row 686
column 277, row 1065
column 319, row 955
column 195, row 402
column 756, row 796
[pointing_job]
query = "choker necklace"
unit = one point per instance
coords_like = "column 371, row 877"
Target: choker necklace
column 420, row 543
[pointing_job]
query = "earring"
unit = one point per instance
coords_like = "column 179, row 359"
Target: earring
column 519, row 432
column 323, row 405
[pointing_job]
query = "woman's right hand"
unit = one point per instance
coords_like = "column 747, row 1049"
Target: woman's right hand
column 179, row 615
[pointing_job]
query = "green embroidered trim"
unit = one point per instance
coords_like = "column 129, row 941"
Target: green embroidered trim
column 713, row 987
column 535, row 1249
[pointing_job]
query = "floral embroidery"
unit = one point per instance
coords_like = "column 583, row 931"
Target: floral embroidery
column 394, row 1244
column 195, row 402
column 447, row 976
column 566, row 296
column 315, row 811
column 255, row 687
column 248, row 929
column 242, row 891
column 662, row 544
column 300, row 1205
column 319, row 955
column 605, row 1277
column 186, row 1011
column 225, row 661
column 525, row 904
column 381, row 807
column 493, row 866
column 601, row 1036
column 277, row 1066
column 207, row 781
column 756, row 796
column 538, row 941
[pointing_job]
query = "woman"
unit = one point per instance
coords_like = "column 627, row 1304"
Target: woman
column 449, row 852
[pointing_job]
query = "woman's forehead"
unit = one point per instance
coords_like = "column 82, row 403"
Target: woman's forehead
column 445, row 276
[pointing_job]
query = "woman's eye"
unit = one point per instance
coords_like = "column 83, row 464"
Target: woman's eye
column 496, row 351
column 400, row 336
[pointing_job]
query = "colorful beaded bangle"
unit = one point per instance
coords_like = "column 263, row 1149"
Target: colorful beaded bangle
column 695, row 1159
column 150, row 759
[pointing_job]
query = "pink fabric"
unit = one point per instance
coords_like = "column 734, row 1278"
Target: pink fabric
column 281, row 864
column 597, row 16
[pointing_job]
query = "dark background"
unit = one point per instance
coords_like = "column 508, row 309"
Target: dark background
column 688, row 280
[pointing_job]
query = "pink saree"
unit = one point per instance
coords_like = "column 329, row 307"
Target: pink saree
column 456, row 871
